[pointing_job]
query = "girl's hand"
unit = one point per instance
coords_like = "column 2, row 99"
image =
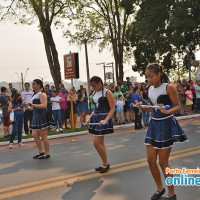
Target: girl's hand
column 87, row 122
column 162, row 110
column 102, row 122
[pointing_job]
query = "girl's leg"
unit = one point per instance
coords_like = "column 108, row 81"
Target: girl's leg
column 81, row 117
column 99, row 145
column 36, row 135
column 43, row 134
column 151, row 159
column 164, row 163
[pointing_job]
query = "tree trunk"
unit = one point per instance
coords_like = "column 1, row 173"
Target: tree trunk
column 52, row 55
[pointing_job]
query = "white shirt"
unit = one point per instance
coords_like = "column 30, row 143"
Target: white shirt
column 120, row 105
column 55, row 105
column 27, row 96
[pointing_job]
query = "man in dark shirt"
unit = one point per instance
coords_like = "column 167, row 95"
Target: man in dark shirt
column 128, row 83
column 6, row 108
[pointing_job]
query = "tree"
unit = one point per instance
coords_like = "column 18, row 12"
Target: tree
column 165, row 31
column 46, row 12
column 109, row 19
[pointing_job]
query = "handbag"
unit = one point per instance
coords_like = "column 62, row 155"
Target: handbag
column 12, row 118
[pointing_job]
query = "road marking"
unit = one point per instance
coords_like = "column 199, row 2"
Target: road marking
column 86, row 172
column 77, row 176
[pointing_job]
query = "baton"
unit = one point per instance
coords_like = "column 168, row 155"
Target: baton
column 167, row 107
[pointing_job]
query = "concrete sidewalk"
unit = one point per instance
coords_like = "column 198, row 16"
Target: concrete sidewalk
column 86, row 132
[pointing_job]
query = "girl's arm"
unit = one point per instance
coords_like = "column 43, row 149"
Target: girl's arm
column 111, row 101
column 43, row 100
column 173, row 95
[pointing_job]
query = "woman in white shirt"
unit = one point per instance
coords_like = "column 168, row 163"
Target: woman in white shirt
column 55, row 100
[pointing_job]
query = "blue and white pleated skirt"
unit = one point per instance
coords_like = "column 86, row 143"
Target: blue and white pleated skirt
column 100, row 130
column 164, row 133
column 39, row 121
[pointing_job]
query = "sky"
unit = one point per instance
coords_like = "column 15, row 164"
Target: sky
column 22, row 47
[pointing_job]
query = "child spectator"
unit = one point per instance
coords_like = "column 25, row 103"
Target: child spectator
column 119, row 109
column 56, row 110
column 138, row 116
column 189, row 99
column 18, row 109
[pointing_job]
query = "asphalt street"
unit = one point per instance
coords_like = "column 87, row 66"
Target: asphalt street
column 69, row 173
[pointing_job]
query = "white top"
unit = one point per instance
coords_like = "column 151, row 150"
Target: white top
column 154, row 93
column 27, row 96
column 120, row 105
column 36, row 96
column 55, row 105
column 97, row 95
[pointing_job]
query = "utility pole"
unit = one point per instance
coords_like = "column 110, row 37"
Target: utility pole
column 87, row 66
column 22, row 79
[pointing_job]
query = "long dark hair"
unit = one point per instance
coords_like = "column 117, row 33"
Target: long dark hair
column 96, row 80
column 15, row 97
column 38, row 82
column 156, row 68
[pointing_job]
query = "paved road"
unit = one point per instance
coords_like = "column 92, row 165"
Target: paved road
column 69, row 174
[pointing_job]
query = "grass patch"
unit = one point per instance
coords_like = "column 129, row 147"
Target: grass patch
column 49, row 133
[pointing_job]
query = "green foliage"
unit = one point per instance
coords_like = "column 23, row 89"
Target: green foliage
column 165, row 31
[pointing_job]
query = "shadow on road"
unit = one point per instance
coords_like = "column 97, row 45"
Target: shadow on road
column 83, row 191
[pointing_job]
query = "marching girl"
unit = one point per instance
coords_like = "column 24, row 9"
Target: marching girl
column 39, row 125
column 104, row 109
column 163, row 131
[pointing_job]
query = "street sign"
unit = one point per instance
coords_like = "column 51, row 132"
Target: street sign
column 71, row 66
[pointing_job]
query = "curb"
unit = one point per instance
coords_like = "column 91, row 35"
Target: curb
column 86, row 132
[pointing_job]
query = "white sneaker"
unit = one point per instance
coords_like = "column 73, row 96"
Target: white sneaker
column 10, row 146
column 21, row 145
column 57, row 130
column 61, row 130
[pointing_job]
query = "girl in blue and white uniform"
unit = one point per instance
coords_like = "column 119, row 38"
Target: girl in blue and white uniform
column 163, row 130
column 104, row 109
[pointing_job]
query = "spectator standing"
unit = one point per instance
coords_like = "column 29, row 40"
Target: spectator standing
column 118, row 92
column 119, row 109
column 125, row 91
column 9, row 92
column 181, row 95
column 27, row 95
column 48, row 113
column 112, row 87
column 83, row 105
column 189, row 99
column 65, row 114
column 5, row 103
column 191, row 83
column 18, row 109
column 128, row 83
column 129, row 100
column 145, row 100
column 55, row 100
column 72, row 97
column 131, row 111
column 197, row 91
column 138, row 116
